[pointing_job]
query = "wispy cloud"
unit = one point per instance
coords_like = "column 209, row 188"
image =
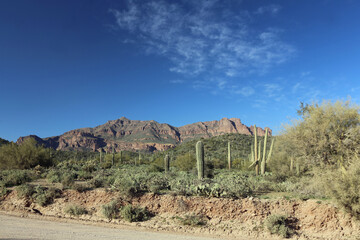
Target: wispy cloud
column 272, row 9
column 177, row 81
column 245, row 91
column 272, row 89
column 205, row 39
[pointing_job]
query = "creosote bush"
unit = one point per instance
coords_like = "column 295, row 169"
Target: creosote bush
column 3, row 189
column 131, row 213
column 110, row 210
column 280, row 225
column 345, row 188
column 75, row 210
column 40, row 195
column 192, row 220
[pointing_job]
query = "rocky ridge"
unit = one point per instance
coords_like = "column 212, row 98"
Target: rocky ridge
column 125, row 134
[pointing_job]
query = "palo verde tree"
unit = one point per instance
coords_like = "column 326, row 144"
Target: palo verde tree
column 325, row 134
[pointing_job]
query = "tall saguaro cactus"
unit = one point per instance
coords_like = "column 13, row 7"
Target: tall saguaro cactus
column 263, row 161
column 120, row 156
column 229, row 155
column 200, row 159
column 271, row 148
column 167, row 163
column 256, row 152
column 113, row 157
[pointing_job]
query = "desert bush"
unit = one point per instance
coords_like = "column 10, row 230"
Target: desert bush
column 24, row 156
column 181, row 183
column 67, row 180
column 185, row 162
column 110, row 210
column 324, row 135
column 344, row 187
column 44, row 196
column 40, row 195
column 232, row 184
column 24, row 191
column 280, row 225
column 192, row 220
column 84, row 175
column 3, row 189
column 75, row 210
column 96, row 182
column 16, row 177
column 53, row 176
column 127, row 186
column 134, row 214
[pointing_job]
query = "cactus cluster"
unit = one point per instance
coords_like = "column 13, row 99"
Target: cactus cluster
column 256, row 152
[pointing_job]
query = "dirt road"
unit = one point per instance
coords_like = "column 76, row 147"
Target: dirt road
column 25, row 228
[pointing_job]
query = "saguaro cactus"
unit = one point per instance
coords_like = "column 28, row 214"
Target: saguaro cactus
column 101, row 151
column 200, row 159
column 167, row 163
column 255, row 152
column 113, row 157
column 120, row 156
column 271, row 148
column 229, row 155
column 263, row 161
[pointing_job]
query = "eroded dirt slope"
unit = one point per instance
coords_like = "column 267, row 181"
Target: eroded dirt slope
column 225, row 217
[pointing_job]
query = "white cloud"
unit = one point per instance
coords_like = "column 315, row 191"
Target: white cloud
column 204, row 39
column 296, row 87
column 272, row 9
column 176, row 81
column 272, row 89
column 245, row 91
column 210, row 43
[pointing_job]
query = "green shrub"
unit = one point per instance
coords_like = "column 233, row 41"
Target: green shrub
column 75, row 210
column 185, row 162
column 26, row 155
column 24, row 191
column 110, row 210
column 134, row 214
column 53, row 176
column 40, row 195
column 192, row 220
column 96, row 182
column 16, row 177
column 3, row 189
column 79, row 187
column 280, row 225
column 84, row 175
column 68, row 180
column 345, row 188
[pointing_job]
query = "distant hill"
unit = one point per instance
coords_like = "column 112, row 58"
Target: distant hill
column 134, row 135
column 3, row 141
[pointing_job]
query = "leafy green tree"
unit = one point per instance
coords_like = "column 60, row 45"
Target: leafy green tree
column 3, row 141
column 326, row 134
column 26, row 155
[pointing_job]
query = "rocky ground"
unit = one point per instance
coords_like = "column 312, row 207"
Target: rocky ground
column 225, row 218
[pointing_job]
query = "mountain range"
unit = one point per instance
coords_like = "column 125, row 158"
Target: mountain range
column 136, row 135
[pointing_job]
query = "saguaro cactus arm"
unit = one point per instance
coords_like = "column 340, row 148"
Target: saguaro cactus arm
column 263, row 162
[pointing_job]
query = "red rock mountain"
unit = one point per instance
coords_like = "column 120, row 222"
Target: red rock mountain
column 125, row 134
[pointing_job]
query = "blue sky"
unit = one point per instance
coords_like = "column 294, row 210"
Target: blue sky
column 72, row 64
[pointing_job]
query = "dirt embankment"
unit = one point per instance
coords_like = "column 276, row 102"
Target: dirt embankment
column 225, row 217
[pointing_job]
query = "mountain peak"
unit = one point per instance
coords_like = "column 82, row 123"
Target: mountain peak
column 126, row 134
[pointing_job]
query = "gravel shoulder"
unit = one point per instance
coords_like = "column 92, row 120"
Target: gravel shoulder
column 12, row 227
